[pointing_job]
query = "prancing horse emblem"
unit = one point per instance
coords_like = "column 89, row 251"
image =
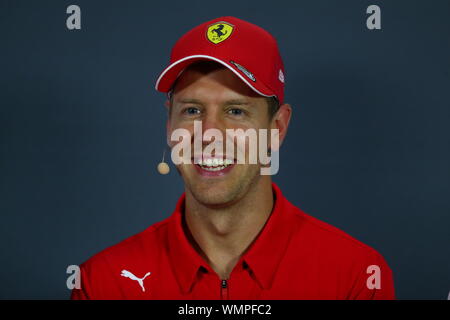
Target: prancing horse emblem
column 219, row 31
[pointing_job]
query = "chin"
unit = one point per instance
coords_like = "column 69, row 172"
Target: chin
column 213, row 193
column 217, row 191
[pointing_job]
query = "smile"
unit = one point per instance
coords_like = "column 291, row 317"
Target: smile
column 214, row 166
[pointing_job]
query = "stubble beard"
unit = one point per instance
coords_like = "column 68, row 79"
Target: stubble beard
column 222, row 192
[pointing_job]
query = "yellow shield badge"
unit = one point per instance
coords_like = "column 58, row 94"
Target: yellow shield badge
column 219, row 32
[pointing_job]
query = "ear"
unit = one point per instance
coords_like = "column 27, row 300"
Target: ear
column 281, row 120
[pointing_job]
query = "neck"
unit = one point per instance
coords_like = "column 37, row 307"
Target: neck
column 222, row 235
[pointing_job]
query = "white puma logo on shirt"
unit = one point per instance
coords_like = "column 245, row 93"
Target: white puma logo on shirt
column 128, row 274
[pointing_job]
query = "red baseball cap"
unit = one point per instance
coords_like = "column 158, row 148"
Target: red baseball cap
column 246, row 49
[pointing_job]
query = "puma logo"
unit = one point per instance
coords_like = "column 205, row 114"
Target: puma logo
column 128, row 274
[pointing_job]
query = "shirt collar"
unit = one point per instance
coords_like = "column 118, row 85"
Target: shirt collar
column 265, row 253
column 185, row 261
column 263, row 256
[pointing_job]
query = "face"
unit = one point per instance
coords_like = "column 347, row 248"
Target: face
column 220, row 100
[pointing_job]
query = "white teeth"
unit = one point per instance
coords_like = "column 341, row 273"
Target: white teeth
column 215, row 164
column 213, row 168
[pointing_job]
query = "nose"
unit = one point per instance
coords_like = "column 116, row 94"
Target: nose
column 212, row 120
column 213, row 124
column 212, row 131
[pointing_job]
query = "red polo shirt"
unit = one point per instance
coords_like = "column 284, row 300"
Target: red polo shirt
column 294, row 257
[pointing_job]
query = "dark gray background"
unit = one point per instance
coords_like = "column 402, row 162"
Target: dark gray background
column 82, row 129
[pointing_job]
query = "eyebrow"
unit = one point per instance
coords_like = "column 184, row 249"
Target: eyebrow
column 193, row 101
column 236, row 102
column 228, row 102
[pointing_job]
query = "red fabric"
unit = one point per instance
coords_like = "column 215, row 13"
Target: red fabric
column 294, row 257
column 248, row 45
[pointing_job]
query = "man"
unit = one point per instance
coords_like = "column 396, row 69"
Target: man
column 233, row 235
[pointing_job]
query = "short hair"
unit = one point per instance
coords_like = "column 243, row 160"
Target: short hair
column 208, row 66
column 273, row 104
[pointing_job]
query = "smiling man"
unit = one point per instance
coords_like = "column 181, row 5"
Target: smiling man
column 232, row 235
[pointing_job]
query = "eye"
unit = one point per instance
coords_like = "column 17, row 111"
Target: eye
column 236, row 112
column 191, row 111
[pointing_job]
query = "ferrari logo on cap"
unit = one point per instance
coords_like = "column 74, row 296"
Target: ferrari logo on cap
column 219, row 32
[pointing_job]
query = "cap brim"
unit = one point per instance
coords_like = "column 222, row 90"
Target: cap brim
column 174, row 70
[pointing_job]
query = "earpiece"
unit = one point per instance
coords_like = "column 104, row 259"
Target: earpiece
column 163, row 167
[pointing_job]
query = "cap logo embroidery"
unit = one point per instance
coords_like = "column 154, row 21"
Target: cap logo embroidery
column 281, row 76
column 244, row 71
column 219, row 32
